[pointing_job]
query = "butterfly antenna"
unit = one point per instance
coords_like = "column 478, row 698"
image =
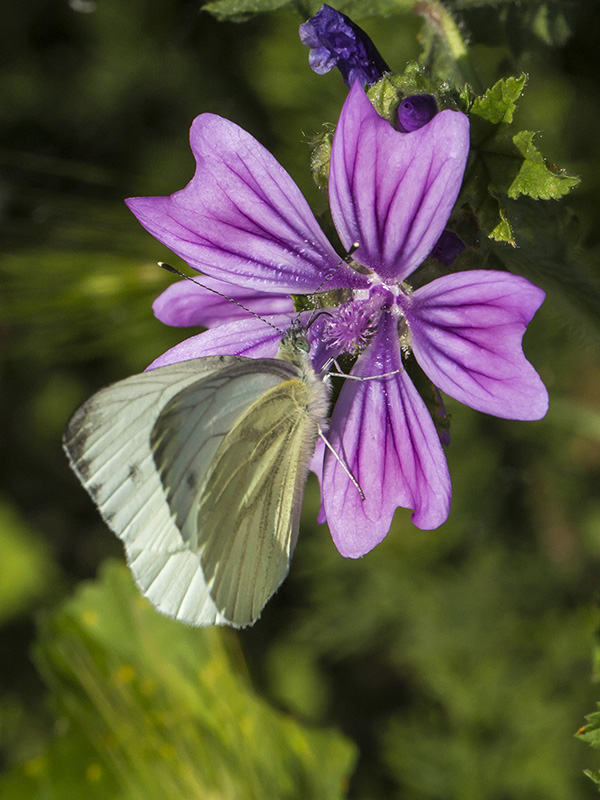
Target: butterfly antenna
column 181, row 274
column 345, row 260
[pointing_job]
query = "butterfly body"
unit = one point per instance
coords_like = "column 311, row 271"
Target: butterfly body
column 199, row 467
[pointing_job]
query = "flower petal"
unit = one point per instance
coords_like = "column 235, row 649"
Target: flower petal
column 252, row 338
column 466, row 331
column 242, row 218
column 383, row 432
column 249, row 337
column 393, row 192
column 336, row 41
column 415, row 111
column 188, row 303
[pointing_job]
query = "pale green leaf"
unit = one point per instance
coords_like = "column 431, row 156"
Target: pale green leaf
column 498, row 104
column 535, row 179
column 152, row 708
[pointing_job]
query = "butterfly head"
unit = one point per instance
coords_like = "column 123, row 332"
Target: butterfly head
column 294, row 345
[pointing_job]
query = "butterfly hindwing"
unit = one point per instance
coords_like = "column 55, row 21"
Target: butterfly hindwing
column 108, row 444
column 243, row 519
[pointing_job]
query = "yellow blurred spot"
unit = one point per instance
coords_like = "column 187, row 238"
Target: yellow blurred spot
column 35, row 767
column 247, row 725
column 90, row 617
column 212, row 672
column 167, row 751
column 100, row 285
column 148, row 686
column 93, row 772
column 125, row 673
column 142, row 602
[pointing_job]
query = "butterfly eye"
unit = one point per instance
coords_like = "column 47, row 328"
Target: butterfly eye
column 303, row 344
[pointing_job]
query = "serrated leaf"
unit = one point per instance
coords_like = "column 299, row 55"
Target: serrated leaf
column 594, row 776
column 498, row 104
column 590, row 733
column 534, row 178
column 506, row 165
column 151, row 708
column 503, row 231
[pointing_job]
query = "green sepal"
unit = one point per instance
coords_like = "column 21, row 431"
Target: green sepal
column 387, row 94
column 321, row 155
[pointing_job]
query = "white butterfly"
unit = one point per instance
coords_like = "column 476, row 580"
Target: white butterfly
column 199, row 467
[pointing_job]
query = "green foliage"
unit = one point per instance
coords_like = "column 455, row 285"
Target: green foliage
column 27, row 567
column 151, row 708
column 535, row 179
column 457, row 659
column 238, row 10
column 590, row 732
column 356, row 9
column 506, row 164
column 499, row 103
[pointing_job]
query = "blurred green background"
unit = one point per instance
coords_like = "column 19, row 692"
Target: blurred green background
column 446, row 665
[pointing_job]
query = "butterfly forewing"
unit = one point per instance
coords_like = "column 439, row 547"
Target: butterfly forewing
column 243, row 516
column 191, row 427
column 250, row 512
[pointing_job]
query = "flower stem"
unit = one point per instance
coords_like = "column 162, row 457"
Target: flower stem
column 442, row 22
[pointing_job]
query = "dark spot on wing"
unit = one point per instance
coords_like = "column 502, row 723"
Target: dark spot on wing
column 94, row 490
column 134, row 474
column 83, row 467
column 108, row 517
column 74, row 442
column 191, row 479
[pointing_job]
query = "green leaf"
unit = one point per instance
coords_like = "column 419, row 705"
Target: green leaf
column 590, row 733
column 27, row 568
column 151, row 708
column 505, row 164
column 498, row 104
column 535, row 179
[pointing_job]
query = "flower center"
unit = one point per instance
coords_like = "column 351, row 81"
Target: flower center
column 352, row 324
column 350, row 327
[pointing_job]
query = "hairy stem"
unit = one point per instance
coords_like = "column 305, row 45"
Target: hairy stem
column 442, row 22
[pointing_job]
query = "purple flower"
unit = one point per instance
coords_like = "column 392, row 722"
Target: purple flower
column 243, row 221
column 415, row 111
column 335, row 41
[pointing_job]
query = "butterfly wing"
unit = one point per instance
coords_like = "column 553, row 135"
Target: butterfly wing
column 107, row 441
column 241, row 519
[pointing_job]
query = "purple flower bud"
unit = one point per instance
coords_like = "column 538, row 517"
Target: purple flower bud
column 416, row 111
column 449, row 246
column 335, row 41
